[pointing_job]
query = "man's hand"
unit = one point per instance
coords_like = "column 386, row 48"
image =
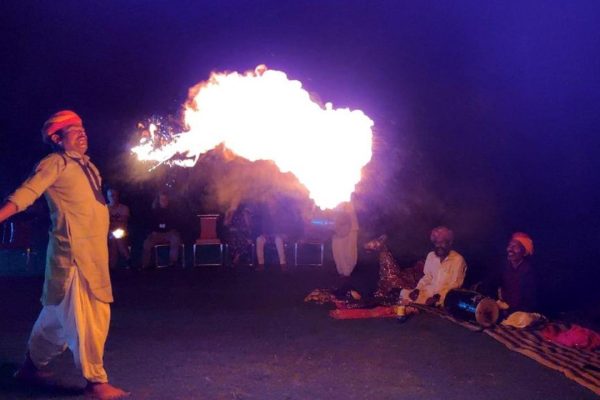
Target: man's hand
column 502, row 304
column 432, row 301
column 414, row 295
column 7, row 210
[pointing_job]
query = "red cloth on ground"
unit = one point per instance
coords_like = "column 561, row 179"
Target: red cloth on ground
column 576, row 336
column 358, row 313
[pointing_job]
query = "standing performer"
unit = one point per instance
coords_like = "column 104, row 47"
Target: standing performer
column 77, row 290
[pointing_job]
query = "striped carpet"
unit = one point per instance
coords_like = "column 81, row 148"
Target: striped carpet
column 582, row 366
column 441, row 313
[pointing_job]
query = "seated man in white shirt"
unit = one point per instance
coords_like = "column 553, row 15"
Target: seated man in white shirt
column 444, row 270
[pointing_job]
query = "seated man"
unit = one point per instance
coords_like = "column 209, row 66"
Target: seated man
column 516, row 280
column 444, row 270
column 118, row 245
column 163, row 231
column 278, row 221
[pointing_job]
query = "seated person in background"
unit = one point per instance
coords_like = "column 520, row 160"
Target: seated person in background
column 239, row 235
column 278, row 220
column 444, row 270
column 163, row 231
column 118, row 244
column 516, row 279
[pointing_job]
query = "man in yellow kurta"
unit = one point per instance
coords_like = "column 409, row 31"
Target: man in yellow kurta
column 77, row 290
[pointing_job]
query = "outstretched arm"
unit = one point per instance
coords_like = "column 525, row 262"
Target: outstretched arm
column 8, row 210
column 44, row 175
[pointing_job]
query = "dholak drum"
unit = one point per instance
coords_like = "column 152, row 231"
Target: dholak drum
column 471, row 306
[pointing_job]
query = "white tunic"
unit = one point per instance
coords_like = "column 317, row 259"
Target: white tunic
column 440, row 276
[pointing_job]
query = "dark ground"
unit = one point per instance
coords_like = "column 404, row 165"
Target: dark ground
column 223, row 334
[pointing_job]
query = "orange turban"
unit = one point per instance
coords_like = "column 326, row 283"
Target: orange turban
column 525, row 240
column 58, row 121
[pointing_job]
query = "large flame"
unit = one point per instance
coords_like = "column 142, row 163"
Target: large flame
column 262, row 115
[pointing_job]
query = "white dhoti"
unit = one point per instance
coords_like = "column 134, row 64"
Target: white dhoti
column 79, row 322
column 345, row 252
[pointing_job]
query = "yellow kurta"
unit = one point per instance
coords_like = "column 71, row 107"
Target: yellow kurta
column 79, row 224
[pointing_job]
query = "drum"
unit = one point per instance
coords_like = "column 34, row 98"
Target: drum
column 472, row 306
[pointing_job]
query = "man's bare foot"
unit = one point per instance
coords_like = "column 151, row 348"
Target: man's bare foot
column 104, row 391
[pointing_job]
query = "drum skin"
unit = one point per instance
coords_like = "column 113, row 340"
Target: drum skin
column 472, row 306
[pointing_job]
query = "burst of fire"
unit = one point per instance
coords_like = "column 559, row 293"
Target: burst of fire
column 262, row 115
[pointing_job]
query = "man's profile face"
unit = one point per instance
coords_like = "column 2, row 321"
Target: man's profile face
column 441, row 247
column 74, row 139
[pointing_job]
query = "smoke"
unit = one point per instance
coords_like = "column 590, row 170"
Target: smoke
column 220, row 181
column 405, row 195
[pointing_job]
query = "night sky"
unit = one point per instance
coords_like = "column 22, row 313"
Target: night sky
column 487, row 114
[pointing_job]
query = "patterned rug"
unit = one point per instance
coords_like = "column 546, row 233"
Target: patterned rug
column 441, row 313
column 580, row 365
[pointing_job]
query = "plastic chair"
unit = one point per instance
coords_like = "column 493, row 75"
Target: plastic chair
column 208, row 238
column 304, row 247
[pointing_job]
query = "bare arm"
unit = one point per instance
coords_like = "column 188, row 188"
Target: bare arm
column 8, row 209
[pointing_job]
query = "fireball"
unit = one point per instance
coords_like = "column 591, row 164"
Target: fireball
column 263, row 115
